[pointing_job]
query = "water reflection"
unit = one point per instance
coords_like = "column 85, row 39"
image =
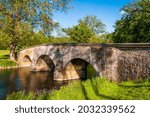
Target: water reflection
column 14, row 80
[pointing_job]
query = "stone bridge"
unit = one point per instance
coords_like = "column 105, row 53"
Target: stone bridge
column 117, row 62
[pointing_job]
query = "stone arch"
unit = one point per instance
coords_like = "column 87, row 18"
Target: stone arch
column 44, row 63
column 76, row 68
column 26, row 60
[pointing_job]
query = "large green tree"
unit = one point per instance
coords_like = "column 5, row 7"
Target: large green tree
column 80, row 33
column 134, row 26
column 95, row 24
column 88, row 28
column 18, row 15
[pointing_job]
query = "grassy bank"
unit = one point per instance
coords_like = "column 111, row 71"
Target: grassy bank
column 93, row 89
column 4, row 59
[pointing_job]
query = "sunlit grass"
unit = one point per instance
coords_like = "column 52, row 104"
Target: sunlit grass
column 4, row 59
column 92, row 89
column 4, row 52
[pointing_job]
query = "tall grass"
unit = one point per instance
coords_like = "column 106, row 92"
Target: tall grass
column 92, row 89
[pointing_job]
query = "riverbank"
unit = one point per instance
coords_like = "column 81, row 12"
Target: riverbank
column 5, row 63
column 12, row 67
column 92, row 89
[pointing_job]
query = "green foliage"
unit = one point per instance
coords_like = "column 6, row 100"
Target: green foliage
column 37, row 13
column 95, row 24
column 80, row 33
column 93, row 89
column 103, row 38
column 60, row 40
column 20, row 17
column 87, row 31
column 27, row 39
column 134, row 26
column 4, row 40
column 91, row 72
column 32, row 39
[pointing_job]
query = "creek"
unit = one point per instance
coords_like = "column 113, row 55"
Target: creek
column 21, row 79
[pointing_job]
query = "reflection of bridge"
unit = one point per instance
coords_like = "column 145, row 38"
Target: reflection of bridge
column 69, row 61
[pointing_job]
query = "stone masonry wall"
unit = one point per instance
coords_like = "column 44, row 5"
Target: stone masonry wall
column 134, row 65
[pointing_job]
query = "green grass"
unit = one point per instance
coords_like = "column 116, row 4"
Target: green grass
column 92, row 89
column 4, row 59
column 4, row 54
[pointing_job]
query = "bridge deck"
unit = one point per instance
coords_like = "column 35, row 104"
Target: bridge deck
column 116, row 45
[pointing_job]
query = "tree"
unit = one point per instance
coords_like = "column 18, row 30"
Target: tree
column 80, row 33
column 4, row 44
column 134, row 26
column 89, row 27
column 17, row 15
column 95, row 24
column 30, row 39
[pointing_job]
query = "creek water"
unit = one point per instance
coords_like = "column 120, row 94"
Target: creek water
column 21, row 79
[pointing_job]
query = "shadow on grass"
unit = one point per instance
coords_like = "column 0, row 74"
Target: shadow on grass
column 95, row 88
column 106, row 97
column 84, row 91
column 4, row 56
column 95, row 92
column 136, row 86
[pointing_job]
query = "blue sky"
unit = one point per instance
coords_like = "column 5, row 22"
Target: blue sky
column 106, row 10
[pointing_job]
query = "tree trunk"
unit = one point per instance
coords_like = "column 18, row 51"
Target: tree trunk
column 12, row 55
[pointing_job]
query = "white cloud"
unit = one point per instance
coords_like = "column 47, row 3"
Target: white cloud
column 122, row 12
